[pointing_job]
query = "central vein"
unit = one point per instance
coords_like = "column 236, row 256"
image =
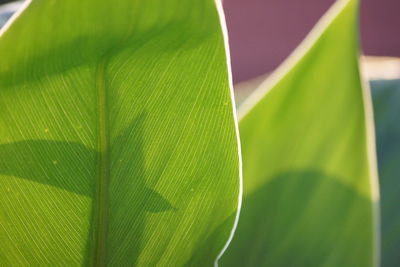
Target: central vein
column 104, row 170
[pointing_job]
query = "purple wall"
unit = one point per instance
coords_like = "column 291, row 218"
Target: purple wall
column 263, row 32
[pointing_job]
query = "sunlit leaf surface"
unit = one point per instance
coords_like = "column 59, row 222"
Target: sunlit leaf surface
column 117, row 135
column 310, row 190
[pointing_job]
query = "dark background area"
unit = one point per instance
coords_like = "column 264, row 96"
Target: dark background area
column 5, row 1
column 262, row 33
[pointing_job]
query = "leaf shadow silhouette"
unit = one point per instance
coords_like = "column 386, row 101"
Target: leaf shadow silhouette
column 306, row 214
column 127, row 195
column 83, row 51
column 74, row 167
column 211, row 246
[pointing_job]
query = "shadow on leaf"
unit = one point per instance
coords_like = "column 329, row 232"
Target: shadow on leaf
column 302, row 218
column 74, row 167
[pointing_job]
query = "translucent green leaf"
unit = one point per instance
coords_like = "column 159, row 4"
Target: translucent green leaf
column 386, row 97
column 310, row 184
column 117, row 135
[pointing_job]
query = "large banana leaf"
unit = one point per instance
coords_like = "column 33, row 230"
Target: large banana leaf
column 310, row 184
column 386, row 96
column 117, row 135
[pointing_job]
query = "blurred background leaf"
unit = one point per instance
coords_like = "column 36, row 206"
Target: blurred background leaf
column 386, row 99
column 310, row 191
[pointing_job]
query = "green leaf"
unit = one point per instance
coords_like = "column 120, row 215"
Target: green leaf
column 386, row 97
column 118, row 144
column 310, row 183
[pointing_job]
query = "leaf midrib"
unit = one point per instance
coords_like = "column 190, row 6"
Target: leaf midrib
column 104, row 170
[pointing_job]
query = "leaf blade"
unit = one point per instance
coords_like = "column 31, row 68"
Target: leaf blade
column 310, row 187
column 173, row 155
